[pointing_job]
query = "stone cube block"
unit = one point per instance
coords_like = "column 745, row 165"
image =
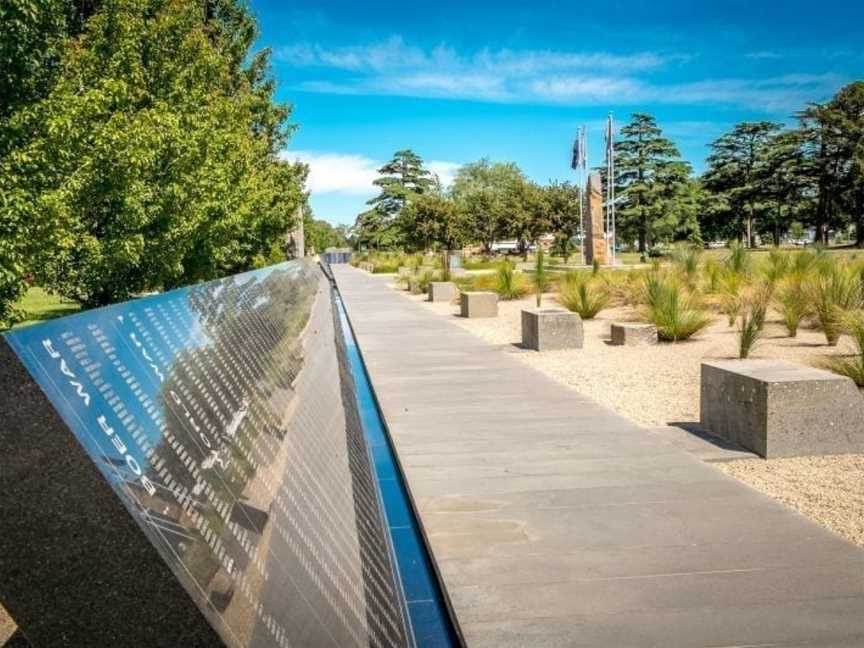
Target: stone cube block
column 630, row 334
column 479, row 304
column 778, row 409
column 547, row 329
column 442, row 291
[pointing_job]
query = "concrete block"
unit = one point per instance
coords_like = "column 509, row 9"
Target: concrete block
column 778, row 409
column 479, row 304
column 546, row 329
column 442, row 291
column 630, row 334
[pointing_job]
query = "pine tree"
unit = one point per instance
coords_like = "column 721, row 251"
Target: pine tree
column 835, row 134
column 402, row 179
column 649, row 176
column 732, row 173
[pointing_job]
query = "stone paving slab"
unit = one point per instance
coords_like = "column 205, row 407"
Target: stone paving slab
column 556, row 522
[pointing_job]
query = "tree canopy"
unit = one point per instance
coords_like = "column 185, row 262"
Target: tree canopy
column 149, row 158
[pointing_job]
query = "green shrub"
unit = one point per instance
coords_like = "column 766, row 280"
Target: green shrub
column 676, row 314
column 509, row 283
column 583, row 295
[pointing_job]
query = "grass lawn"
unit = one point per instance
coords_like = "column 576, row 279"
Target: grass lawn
column 39, row 305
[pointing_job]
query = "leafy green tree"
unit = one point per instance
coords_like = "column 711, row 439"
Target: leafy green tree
column 320, row 234
column 484, row 192
column 562, row 209
column 529, row 216
column 152, row 160
column 732, row 174
column 432, row 219
column 649, row 178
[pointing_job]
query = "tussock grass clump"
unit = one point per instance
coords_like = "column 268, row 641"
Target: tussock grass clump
column 730, row 295
column 509, row 283
column 584, row 295
column 834, row 292
column 738, row 260
column 677, row 314
column 752, row 323
column 541, row 275
column 420, row 283
column 713, row 273
column 687, row 260
column 777, row 267
column 852, row 366
column 792, row 302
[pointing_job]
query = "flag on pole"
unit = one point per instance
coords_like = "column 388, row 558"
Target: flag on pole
column 576, row 160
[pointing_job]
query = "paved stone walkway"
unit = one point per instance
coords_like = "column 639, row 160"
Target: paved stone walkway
column 555, row 522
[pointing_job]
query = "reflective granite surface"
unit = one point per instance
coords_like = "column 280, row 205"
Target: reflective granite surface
column 223, row 417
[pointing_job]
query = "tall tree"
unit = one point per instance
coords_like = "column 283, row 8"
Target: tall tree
column 483, row 192
column 529, row 216
column 732, row 173
column 401, row 179
column 431, row 219
column 835, row 133
column 152, row 159
column 780, row 183
column 649, row 175
column 562, row 204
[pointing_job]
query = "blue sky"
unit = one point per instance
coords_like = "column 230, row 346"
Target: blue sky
column 512, row 81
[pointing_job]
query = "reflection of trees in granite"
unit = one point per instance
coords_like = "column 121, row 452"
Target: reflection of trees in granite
column 223, row 403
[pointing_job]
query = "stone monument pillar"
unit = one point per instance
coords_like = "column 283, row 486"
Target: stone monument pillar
column 296, row 239
column 595, row 239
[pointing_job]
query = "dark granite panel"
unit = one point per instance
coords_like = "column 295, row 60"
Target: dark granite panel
column 73, row 568
column 206, row 444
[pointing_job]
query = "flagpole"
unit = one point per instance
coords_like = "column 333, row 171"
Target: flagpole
column 612, row 204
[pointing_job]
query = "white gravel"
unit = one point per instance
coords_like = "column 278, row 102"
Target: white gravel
column 658, row 385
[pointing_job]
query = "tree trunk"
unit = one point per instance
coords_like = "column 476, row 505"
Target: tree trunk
column 859, row 220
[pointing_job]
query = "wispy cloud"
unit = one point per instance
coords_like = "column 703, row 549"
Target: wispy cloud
column 393, row 67
column 352, row 174
column 763, row 55
column 394, row 54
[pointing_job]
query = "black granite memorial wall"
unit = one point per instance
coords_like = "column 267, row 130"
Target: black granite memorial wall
column 189, row 469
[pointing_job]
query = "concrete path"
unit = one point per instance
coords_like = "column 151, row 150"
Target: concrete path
column 555, row 522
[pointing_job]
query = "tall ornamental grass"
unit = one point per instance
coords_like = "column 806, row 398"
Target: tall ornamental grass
column 851, row 366
column 676, row 313
column 509, row 283
column 541, row 275
column 583, row 295
column 792, row 303
column 834, row 292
